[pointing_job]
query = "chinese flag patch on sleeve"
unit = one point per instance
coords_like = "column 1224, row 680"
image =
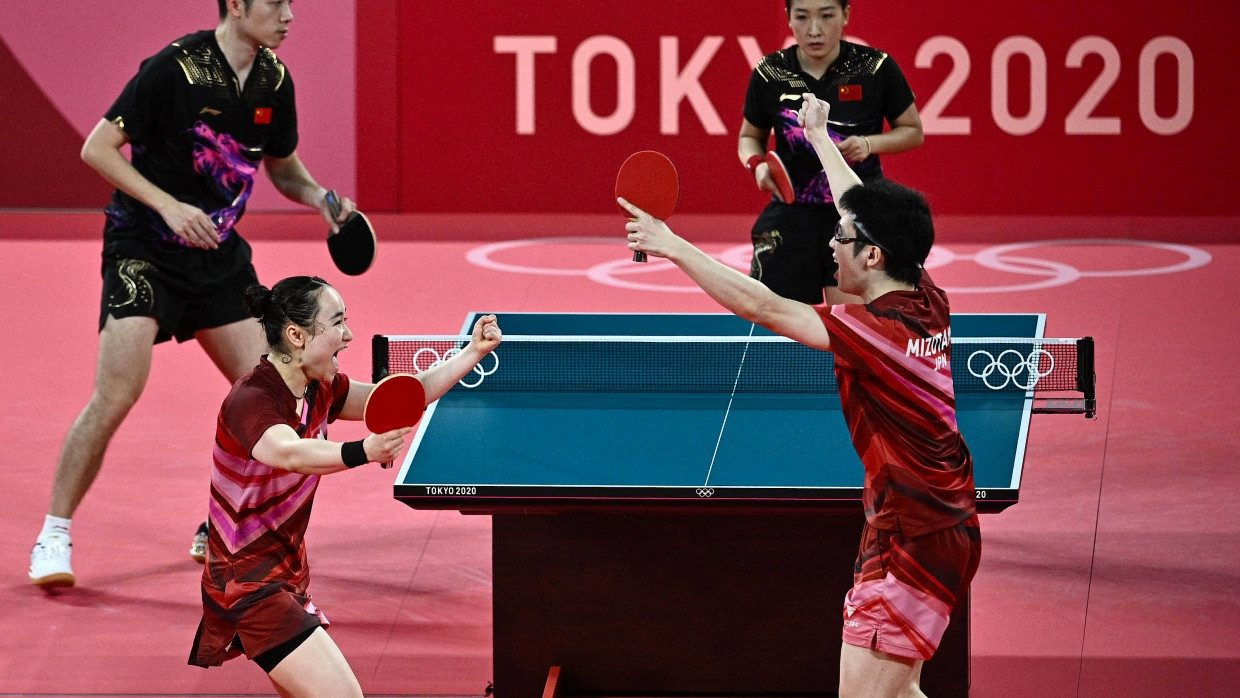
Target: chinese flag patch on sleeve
column 262, row 115
column 850, row 93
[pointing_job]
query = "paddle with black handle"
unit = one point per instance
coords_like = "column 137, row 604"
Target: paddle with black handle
column 396, row 402
column 353, row 247
column 649, row 181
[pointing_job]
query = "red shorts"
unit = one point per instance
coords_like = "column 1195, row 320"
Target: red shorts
column 904, row 589
column 256, row 623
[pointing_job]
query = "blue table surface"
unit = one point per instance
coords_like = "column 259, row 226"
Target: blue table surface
column 597, row 445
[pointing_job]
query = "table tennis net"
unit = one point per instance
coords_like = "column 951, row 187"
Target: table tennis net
column 763, row 364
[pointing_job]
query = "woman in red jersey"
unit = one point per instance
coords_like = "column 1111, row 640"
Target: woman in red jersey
column 921, row 543
column 271, row 447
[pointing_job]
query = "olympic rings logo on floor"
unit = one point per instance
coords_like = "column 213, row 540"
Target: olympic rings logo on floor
column 1010, row 365
column 421, row 363
column 1014, row 258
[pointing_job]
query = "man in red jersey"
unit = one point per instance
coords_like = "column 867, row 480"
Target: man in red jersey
column 921, row 543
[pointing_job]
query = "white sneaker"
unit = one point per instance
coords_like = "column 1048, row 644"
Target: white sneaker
column 49, row 563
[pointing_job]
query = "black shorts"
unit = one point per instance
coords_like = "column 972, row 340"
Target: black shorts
column 185, row 289
column 271, row 658
column 792, row 250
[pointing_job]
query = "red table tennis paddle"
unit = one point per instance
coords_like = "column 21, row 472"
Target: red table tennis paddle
column 648, row 180
column 353, row 248
column 395, row 402
column 779, row 173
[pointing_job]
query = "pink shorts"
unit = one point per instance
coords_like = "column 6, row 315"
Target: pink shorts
column 904, row 589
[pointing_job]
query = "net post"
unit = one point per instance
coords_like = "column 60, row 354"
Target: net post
column 378, row 358
column 1085, row 375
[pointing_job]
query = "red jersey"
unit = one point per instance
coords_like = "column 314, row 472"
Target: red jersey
column 893, row 365
column 256, row 545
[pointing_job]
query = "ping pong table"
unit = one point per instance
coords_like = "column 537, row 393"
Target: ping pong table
column 675, row 497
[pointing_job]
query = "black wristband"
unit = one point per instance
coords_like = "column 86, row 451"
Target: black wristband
column 353, row 453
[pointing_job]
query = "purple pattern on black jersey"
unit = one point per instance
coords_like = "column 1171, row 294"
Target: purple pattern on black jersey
column 122, row 217
column 227, row 163
column 817, row 190
column 794, row 134
column 221, row 159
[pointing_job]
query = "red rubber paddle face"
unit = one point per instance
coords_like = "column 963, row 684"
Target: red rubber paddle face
column 396, row 402
column 779, row 173
column 648, row 180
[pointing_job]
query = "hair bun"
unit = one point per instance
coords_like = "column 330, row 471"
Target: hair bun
column 258, row 300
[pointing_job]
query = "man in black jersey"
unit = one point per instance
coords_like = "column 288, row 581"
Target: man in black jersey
column 200, row 117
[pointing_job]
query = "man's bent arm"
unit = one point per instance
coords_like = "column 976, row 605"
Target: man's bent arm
column 840, row 177
column 102, row 151
column 293, row 180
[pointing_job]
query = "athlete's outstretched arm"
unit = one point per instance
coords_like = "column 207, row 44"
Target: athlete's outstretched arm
column 440, row 378
column 813, row 117
column 735, row 291
column 281, row 447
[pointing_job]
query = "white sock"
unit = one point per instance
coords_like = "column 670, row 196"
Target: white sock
column 55, row 526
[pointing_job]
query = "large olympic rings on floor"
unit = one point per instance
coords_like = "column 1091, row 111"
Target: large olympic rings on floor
column 1013, row 258
column 422, row 355
column 1001, row 258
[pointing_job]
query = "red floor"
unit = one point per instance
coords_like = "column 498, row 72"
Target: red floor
column 1115, row 575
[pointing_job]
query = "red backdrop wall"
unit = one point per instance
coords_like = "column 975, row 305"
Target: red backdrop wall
column 40, row 148
column 1058, row 108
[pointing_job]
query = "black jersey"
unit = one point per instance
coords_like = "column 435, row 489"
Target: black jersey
column 196, row 133
column 864, row 86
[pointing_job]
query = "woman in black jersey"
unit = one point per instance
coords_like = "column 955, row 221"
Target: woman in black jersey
column 864, row 88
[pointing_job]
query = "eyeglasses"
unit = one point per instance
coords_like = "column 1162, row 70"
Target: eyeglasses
column 862, row 236
column 839, row 236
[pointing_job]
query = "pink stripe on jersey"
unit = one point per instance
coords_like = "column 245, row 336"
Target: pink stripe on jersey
column 239, row 533
column 935, row 391
column 923, row 367
column 244, row 483
column 245, row 486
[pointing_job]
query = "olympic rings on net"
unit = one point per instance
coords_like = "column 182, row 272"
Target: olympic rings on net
column 478, row 368
column 617, row 270
column 1011, row 372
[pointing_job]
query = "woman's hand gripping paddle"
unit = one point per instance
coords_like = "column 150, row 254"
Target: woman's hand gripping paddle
column 395, row 402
